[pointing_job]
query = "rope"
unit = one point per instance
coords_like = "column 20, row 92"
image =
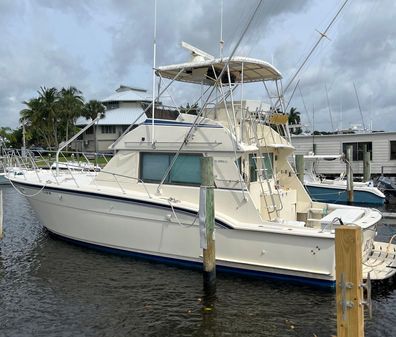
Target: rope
column 24, row 194
column 170, row 200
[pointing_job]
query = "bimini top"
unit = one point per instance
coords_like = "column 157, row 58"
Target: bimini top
column 207, row 71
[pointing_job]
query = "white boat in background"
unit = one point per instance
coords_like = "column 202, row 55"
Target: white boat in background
column 335, row 190
column 145, row 201
column 3, row 177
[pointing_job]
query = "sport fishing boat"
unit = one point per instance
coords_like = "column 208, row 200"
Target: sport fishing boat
column 145, row 201
column 335, row 190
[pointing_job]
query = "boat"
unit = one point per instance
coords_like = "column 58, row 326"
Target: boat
column 335, row 190
column 3, row 177
column 145, row 201
column 387, row 185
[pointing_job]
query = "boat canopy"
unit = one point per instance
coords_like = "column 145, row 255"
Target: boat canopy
column 207, row 71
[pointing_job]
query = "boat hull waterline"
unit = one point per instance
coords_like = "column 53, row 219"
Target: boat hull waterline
column 138, row 227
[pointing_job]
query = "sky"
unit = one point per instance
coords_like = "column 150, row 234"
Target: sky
column 98, row 45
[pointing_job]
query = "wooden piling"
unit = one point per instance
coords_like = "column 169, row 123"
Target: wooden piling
column 366, row 164
column 349, row 156
column 300, row 167
column 349, row 293
column 209, row 253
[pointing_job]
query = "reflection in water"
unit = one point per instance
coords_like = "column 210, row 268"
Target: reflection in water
column 52, row 288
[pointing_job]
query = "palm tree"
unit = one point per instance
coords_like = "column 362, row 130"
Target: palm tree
column 71, row 103
column 48, row 99
column 90, row 111
column 35, row 118
column 295, row 119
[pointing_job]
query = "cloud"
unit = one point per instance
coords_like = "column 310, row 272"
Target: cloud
column 97, row 46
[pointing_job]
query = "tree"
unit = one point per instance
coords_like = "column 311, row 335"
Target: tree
column 49, row 116
column 38, row 128
column 192, row 110
column 90, row 111
column 48, row 99
column 295, row 119
column 71, row 103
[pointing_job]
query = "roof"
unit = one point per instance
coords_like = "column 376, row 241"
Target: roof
column 205, row 72
column 129, row 95
column 120, row 116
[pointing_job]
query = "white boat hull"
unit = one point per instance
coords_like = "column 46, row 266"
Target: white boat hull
column 141, row 227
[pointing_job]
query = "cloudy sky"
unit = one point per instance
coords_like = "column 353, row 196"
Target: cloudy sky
column 98, row 45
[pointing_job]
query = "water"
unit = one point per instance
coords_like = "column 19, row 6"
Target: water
column 52, row 288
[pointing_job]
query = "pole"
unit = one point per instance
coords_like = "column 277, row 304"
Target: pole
column 349, row 292
column 154, row 65
column 206, row 222
column 349, row 151
column 300, row 167
column 366, row 164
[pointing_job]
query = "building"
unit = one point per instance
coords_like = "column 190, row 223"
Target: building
column 381, row 145
column 123, row 108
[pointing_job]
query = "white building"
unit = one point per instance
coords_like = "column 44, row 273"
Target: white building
column 382, row 146
column 122, row 109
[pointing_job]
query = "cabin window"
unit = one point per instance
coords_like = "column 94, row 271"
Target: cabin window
column 358, row 149
column 266, row 168
column 185, row 171
column 109, row 129
column 393, row 150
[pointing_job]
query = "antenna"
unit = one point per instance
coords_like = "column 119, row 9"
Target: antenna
column 154, row 62
column 328, row 105
column 221, row 29
column 196, row 51
column 322, row 35
column 360, row 109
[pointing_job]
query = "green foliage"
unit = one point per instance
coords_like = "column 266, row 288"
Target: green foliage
column 295, row 119
column 91, row 110
column 192, row 110
column 50, row 117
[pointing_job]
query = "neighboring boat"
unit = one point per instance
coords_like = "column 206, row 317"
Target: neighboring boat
column 335, row 190
column 387, row 185
column 145, row 201
column 3, row 177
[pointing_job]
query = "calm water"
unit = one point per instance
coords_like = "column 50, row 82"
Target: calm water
column 52, row 288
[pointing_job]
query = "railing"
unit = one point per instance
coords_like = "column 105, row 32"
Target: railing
column 17, row 162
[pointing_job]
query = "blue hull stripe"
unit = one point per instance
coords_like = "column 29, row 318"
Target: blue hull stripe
column 198, row 265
